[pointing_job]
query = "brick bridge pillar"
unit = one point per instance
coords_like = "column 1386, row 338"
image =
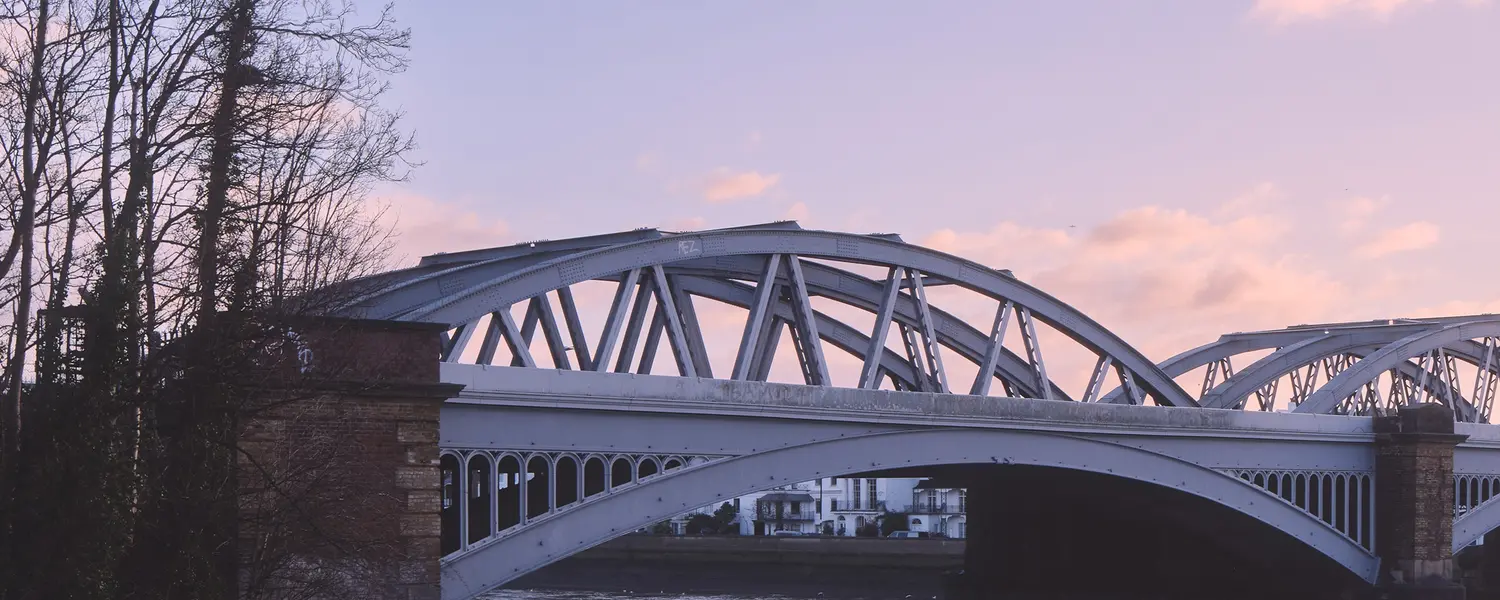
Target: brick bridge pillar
column 348, row 434
column 1414, row 504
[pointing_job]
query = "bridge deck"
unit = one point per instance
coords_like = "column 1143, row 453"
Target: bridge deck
column 555, row 389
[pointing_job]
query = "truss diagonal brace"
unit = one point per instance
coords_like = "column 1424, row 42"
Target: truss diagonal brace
column 929, row 337
column 992, row 350
column 454, row 347
column 575, row 328
column 699, row 351
column 869, row 377
column 806, row 324
column 513, row 339
column 750, row 340
column 633, row 327
column 676, row 334
column 1034, row 352
column 616, row 318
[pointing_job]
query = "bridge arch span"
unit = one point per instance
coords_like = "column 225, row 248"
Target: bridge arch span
column 496, row 561
column 1474, row 524
column 465, row 290
column 1350, row 381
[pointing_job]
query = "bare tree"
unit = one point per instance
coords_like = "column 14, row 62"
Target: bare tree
column 191, row 175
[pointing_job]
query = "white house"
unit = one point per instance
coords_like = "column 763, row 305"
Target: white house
column 938, row 510
column 828, row 506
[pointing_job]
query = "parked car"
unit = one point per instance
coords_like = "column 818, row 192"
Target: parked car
column 784, row 533
column 908, row 535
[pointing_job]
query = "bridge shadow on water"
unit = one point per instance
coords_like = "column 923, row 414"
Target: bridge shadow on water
column 1037, row 532
column 1033, row 532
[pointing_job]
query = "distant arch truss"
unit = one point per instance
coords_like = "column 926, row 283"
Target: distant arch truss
column 1358, row 368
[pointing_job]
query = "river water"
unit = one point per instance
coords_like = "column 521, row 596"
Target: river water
column 623, row 594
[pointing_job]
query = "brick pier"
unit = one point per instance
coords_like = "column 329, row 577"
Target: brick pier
column 347, row 439
column 1414, row 496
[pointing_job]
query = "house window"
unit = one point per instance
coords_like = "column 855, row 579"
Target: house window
column 833, row 505
column 873, row 500
column 856, row 494
column 963, row 501
column 796, row 508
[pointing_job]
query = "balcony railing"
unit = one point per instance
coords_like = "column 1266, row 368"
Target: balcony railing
column 859, row 507
column 767, row 515
column 937, row 508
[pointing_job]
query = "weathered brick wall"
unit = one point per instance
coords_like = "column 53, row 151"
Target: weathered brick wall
column 339, row 464
column 1414, row 495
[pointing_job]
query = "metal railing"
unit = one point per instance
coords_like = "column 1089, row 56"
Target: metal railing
column 938, row 508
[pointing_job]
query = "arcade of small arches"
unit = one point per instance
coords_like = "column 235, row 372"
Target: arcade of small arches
column 487, row 493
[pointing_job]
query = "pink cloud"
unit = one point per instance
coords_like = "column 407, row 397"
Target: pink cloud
column 1163, row 279
column 1354, row 213
column 687, row 224
column 1406, row 238
column 796, row 212
column 425, row 226
column 724, row 185
column 1290, row 11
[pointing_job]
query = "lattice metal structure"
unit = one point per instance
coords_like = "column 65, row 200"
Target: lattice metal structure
column 777, row 273
column 1362, row 368
column 800, row 285
column 1344, row 500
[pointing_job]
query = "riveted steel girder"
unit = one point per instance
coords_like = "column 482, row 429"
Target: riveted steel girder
column 467, row 292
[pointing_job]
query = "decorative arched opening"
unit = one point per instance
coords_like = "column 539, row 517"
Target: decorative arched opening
column 647, row 467
column 1207, row 493
column 567, row 481
column 479, row 496
column 538, row 486
column 595, row 476
column 449, row 534
column 621, row 472
column 672, row 463
column 508, row 492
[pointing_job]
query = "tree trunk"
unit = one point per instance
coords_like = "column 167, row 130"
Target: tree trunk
column 213, row 412
column 25, row 232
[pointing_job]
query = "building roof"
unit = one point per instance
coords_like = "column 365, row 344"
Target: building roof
column 787, row 497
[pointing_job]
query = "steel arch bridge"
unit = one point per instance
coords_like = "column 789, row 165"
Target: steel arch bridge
column 565, row 440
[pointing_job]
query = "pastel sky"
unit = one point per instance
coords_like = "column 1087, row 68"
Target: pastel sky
column 1175, row 169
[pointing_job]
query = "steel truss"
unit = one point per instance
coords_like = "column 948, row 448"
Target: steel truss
column 779, row 272
column 1361, row 368
column 775, row 272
